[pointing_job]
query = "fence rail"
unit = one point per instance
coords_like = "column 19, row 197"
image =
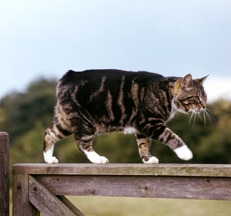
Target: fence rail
column 42, row 187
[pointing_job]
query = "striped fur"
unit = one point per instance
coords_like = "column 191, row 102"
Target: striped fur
column 101, row 101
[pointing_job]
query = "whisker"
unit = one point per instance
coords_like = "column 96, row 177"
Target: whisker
column 190, row 117
column 207, row 114
column 195, row 116
column 204, row 113
column 210, row 117
column 211, row 114
column 199, row 114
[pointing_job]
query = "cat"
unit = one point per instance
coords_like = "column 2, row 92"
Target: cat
column 102, row 101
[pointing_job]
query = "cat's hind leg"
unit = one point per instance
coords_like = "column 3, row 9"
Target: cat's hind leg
column 53, row 133
column 95, row 158
column 84, row 143
column 144, row 144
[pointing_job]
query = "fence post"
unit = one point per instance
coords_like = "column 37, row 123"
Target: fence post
column 4, row 174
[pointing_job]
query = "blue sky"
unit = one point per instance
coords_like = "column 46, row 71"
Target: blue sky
column 43, row 38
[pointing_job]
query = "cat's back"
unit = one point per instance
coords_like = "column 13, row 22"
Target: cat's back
column 112, row 75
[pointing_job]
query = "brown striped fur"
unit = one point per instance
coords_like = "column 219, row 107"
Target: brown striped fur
column 101, row 101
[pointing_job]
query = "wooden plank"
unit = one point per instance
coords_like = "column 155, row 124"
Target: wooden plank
column 21, row 204
column 46, row 202
column 140, row 186
column 4, row 174
column 200, row 170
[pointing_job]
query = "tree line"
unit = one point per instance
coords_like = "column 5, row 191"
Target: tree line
column 26, row 115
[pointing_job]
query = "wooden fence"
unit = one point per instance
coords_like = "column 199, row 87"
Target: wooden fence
column 4, row 174
column 41, row 187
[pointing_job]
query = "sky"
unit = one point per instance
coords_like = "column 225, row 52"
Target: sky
column 43, row 38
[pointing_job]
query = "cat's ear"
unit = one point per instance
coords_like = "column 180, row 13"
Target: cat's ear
column 186, row 81
column 201, row 80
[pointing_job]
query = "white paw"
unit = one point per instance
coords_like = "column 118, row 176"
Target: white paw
column 184, row 153
column 151, row 160
column 95, row 158
column 52, row 160
column 49, row 158
column 103, row 160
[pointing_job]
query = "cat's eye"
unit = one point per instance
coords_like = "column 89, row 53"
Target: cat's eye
column 186, row 102
column 196, row 98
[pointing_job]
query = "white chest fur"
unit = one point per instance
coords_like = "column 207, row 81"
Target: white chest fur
column 129, row 130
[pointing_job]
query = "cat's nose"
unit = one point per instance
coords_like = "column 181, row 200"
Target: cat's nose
column 203, row 109
column 203, row 104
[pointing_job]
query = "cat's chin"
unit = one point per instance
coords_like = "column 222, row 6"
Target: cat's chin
column 176, row 109
column 196, row 111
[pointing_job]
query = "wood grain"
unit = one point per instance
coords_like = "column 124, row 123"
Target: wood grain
column 200, row 170
column 140, row 186
column 21, row 204
column 45, row 185
column 46, row 202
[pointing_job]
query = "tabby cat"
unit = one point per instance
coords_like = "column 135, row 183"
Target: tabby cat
column 101, row 101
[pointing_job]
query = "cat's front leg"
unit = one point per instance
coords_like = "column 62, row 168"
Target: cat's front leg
column 169, row 138
column 184, row 153
column 144, row 144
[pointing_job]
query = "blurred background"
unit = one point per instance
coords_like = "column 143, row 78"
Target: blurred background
column 41, row 40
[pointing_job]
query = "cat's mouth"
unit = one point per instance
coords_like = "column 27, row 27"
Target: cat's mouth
column 197, row 111
column 203, row 113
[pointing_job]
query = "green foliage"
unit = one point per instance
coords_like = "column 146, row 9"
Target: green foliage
column 22, row 110
column 25, row 116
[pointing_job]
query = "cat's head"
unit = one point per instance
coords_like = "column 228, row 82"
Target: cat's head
column 189, row 95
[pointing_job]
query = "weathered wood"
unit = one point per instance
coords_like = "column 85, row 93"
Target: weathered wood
column 4, row 174
column 200, row 170
column 49, row 183
column 140, row 186
column 46, row 202
column 21, row 204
